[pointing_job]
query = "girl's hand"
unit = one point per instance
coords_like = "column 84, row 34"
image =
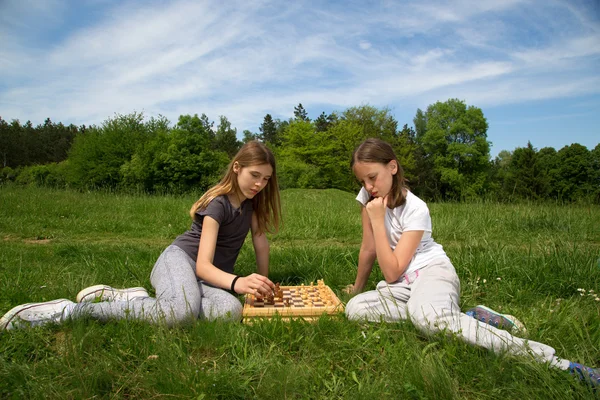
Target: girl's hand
column 255, row 284
column 349, row 289
column 376, row 208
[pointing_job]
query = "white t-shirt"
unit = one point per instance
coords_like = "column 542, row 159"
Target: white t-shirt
column 411, row 216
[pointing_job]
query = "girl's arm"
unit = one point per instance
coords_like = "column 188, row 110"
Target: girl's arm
column 367, row 254
column 261, row 248
column 392, row 263
column 205, row 269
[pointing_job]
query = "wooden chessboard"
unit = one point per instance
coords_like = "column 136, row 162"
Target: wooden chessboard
column 294, row 301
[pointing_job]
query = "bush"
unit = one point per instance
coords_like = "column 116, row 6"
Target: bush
column 53, row 175
column 7, row 174
column 297, row 174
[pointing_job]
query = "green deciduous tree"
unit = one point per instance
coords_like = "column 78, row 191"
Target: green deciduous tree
column 595, row 178
column 374, row 123
column 407, row 151
column 249, row 136
column 144, row 169
column 96, row 158
column 525, row 177
column 190, row 159
column 455, row 141
column 575, row 173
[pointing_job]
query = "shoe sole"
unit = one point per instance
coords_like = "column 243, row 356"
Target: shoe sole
column 514, row 324
column 5, row 321
column 586, row 374
column 108, row 293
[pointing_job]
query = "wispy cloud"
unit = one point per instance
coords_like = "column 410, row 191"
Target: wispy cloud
column 245, row 59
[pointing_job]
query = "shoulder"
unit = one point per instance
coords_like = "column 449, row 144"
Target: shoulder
column 363, row 196
column 221, row 202
column 217, row 208
column 415, row 202
column 413, row 207
column 415, row 214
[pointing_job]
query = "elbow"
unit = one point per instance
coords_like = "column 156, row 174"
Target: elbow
column 261, row 247
column 260, row 241
column 393, row 274
column 201, row 269
column 368, row 252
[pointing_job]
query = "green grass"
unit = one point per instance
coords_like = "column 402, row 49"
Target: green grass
column 524, row 259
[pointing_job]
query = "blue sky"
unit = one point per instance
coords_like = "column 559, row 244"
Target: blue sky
column 532, row 66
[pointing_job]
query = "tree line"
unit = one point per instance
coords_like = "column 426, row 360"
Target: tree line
column 446, row 156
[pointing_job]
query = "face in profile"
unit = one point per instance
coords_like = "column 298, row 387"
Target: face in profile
column 376, row 178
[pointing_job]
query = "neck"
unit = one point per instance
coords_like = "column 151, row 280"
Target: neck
column 236, row 199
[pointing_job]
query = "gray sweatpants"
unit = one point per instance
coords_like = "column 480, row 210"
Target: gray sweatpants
column 180, row 296
column 429, row 297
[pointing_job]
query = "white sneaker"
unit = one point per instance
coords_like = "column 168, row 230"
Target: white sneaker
column 36, row 314
column 107, row 293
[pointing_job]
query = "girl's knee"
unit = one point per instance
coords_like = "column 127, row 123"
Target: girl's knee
column 429, row 319
column 355, row 309
column 177, row 312
column 358, row 308
column 228, row 311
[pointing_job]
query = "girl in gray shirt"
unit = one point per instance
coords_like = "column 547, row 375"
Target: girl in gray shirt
column 194, row 277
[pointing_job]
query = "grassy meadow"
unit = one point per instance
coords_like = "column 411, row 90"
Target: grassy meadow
column 540, row 263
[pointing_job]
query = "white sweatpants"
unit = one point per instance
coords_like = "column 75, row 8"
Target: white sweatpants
column 429, row 297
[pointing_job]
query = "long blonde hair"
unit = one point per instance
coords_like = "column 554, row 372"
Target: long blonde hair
column 377, row 151
column 266, row 203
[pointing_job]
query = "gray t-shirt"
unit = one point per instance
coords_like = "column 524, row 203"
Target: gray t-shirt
column 234, row 225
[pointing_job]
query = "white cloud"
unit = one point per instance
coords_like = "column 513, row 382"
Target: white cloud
column 364, row 44
column 244, row 60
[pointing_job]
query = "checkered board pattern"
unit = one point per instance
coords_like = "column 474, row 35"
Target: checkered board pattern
column 297, row 301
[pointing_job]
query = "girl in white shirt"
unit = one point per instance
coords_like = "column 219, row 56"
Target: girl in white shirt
column 420, row 283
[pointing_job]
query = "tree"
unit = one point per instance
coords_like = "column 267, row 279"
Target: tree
column 146, row 167
column 324, row 122
column 300, row 113
column 595, row 178
column 6, row 143
column 268, row 131
column 373, row 123
column 226, row 137
column 96, row 158
column 405, row 147
column 575, row 173
column 302, row 155
column 455, row 142
column 52, row 142
column 523, row 178
column 321, row 123
column 188, row 159
column 208, row 126
column 420, row 122
column 249, row 136
column 280, row 128
column 547, row 163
